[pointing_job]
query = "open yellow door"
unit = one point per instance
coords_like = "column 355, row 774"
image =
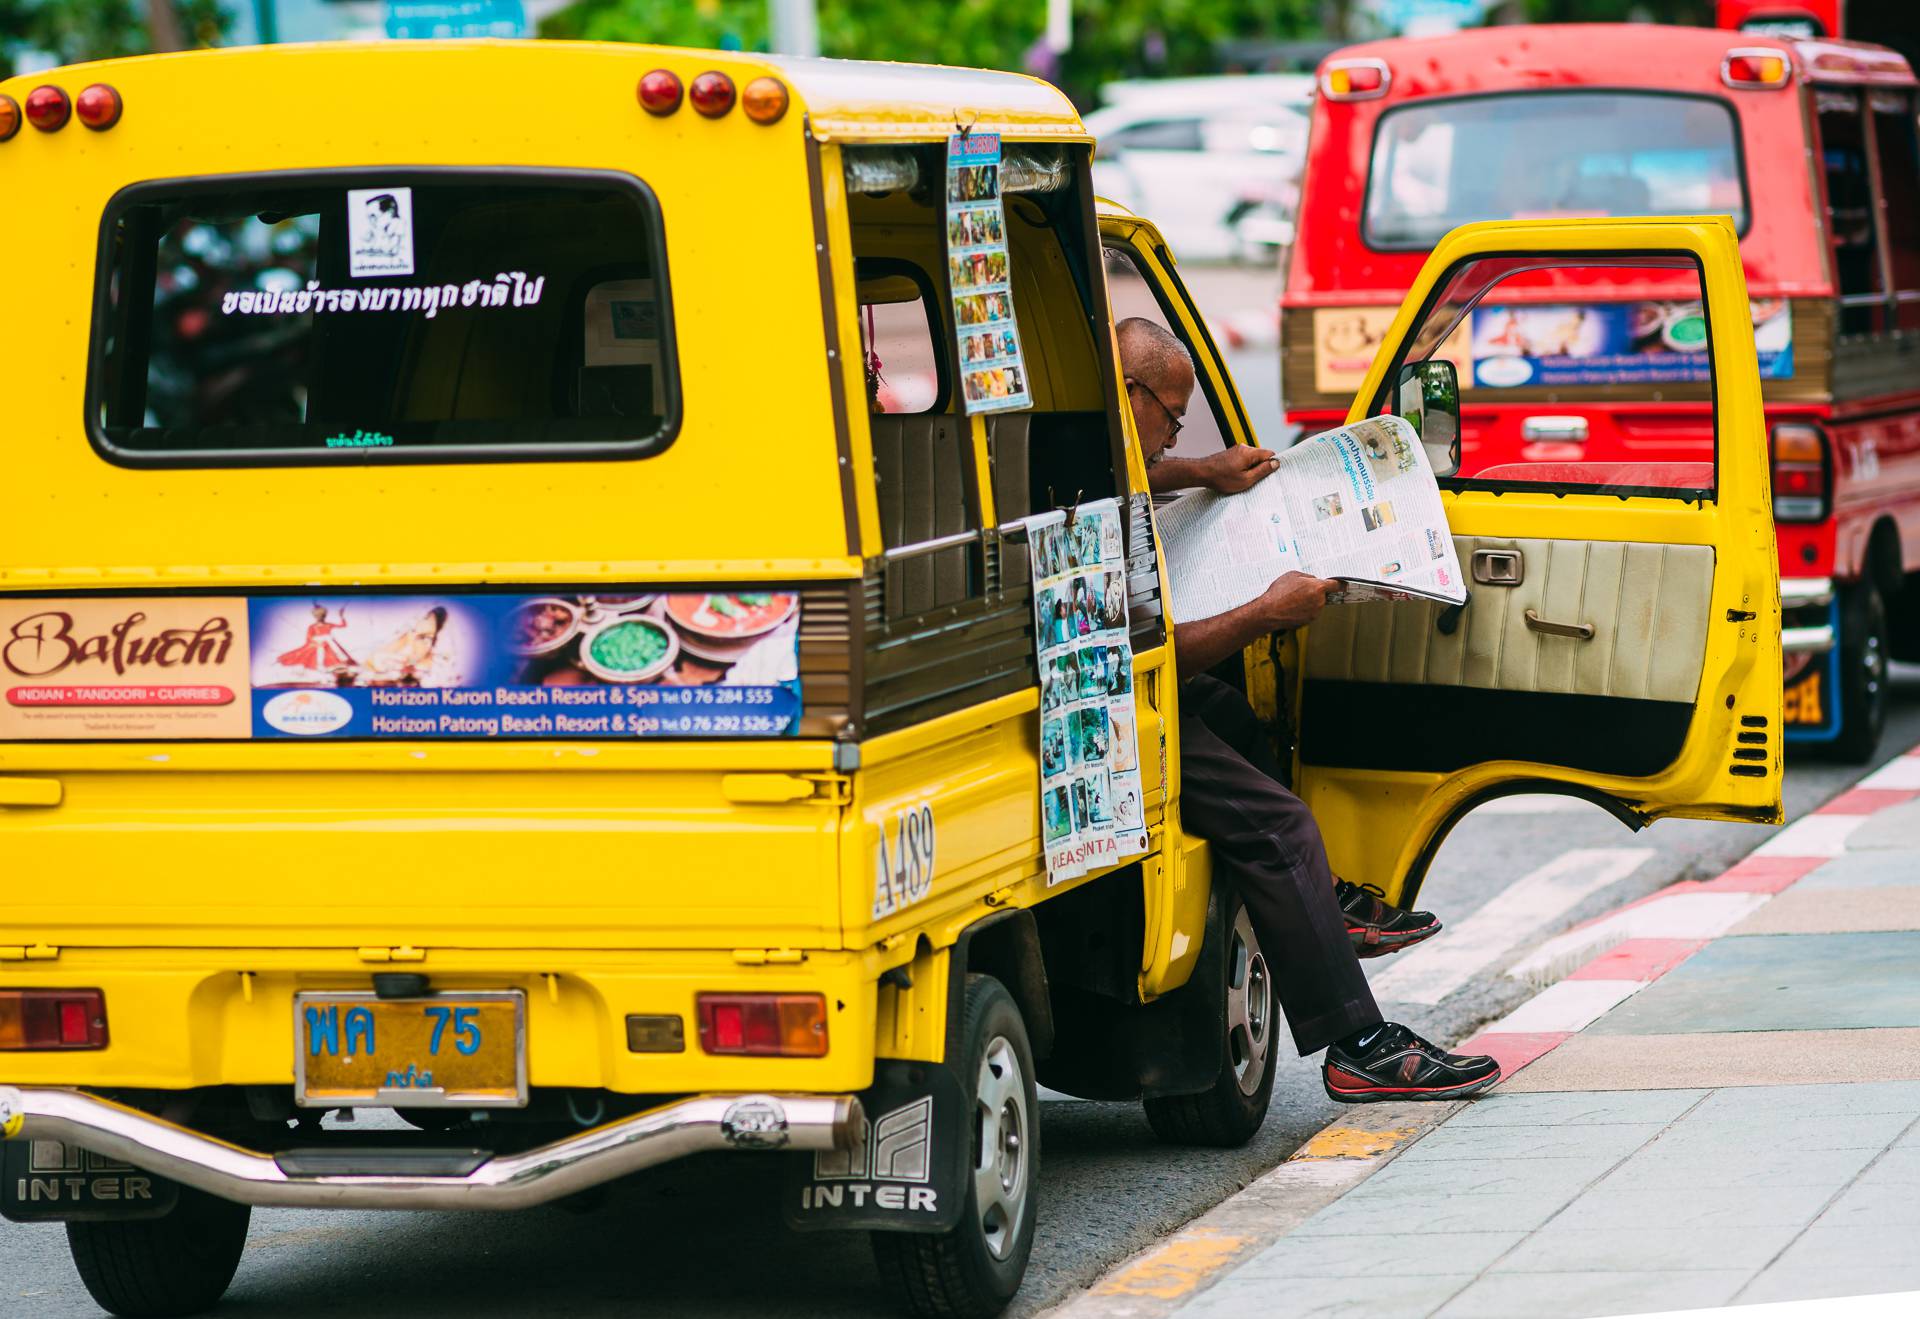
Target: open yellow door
column 1622, row 639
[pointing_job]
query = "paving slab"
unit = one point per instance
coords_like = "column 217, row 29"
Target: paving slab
column 1800, row 982
column 1816, row 1284
column 1436, row 1211
column 1759, row 1166
column 1700, row 1207
column 1359, row 1257
column 1825, row 1102
column 1734, row 1133
column 1744, row 1058
column 1864, row 870
column 1821, row 1247
column 1493, row 1176
column 1504, row 1108
column 1894, row 828
column 1386, row 1296
column 1557, row 1249
column 1836, row 911
column 1576, row 1295
column 1449, row 1143
column 1873, row 1210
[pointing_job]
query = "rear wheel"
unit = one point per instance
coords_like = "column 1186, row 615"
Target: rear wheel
column 1229, row 1112
column 1865, row 650
column 973, row 1269
column 177, row 1265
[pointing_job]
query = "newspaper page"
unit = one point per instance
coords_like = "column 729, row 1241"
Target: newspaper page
column 1091, row 811
column 1358, row 503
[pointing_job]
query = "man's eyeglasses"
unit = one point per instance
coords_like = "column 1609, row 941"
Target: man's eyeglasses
column 1173, row 423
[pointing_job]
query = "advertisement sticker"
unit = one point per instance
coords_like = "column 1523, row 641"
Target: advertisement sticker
column 1091, row 801
column 609, row 664
column 993, row 373
column 379, row 231
column 1615, row 343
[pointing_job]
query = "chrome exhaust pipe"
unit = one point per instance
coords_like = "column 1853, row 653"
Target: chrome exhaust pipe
column 508, row 1181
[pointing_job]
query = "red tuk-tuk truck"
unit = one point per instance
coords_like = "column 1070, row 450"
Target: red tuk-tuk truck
column 1894, row 23
column 1811, row 147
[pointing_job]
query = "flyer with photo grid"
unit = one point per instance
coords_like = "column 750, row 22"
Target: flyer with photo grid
column 993, row 374
column 1091, row 812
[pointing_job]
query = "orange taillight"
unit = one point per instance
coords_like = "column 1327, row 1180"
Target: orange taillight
column 765, row 100
column 767, row 1025
column 9, row 117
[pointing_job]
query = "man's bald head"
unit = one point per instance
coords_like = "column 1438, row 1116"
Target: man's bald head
column 1155, row 363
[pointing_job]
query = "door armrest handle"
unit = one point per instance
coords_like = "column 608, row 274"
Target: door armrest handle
column 1578, row 631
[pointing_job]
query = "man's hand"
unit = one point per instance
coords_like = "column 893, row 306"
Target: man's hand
column 1235, row 468
column 1232, row 469
column 1294, row 600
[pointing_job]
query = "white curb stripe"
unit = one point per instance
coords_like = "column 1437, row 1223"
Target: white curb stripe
column 1454, row 956
column 1812, row 835
column 1569, row 1006
column 1901, row 773
column 1679, row 916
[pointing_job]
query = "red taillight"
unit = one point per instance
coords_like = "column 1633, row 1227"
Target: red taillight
column 98, row 107
column 52, row 1019
column 712, row 94
column 1802, row 470
column 1755, row 68
column 48, row 108
column 1355, row 80
column 9, row 117
column 768, row 1025
column 661, row 92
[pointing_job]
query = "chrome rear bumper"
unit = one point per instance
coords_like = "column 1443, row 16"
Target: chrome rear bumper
column 1812, row 595
column 507, row 1181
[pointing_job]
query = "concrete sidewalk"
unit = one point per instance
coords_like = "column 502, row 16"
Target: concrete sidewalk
column 1720, row 1104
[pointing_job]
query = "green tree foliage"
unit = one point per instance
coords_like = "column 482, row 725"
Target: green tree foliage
column 75, row 30
column 1112, row 38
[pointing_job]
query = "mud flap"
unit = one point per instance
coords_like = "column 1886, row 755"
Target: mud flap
column 908, row 1170
column 45, row 1181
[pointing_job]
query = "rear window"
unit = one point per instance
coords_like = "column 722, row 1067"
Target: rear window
column 1442, row 163
column 348, row 316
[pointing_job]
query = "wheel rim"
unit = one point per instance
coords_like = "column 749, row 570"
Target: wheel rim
column 1873, row 664
column 1000, row 1135
column 1249, row 1006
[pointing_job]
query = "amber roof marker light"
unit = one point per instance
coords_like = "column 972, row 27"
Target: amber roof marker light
column 765, row 100
column 9, row 117
column 98, row 107
column 48, row 108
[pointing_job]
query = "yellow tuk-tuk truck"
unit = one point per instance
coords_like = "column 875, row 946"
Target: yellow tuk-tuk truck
column 505, row 618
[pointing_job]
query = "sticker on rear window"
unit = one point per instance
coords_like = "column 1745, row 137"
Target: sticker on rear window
column 379, row 231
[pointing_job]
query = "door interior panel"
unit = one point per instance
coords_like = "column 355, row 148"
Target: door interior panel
column 1647, row 604
column 1618, row 702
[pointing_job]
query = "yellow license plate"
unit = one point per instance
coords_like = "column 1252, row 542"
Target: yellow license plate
column 356, row 1050
column 1802, row 702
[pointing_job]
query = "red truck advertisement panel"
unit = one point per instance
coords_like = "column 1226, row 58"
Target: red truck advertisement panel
column 1812, row 148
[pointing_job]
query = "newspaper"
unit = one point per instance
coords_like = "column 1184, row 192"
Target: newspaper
column 1358, row 503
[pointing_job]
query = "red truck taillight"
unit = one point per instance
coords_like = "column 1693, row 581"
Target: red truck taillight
column 770, row 1025
column 52, row 1019
column 1802, row 473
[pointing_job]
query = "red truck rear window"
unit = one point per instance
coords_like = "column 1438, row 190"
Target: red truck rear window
column 1531, row 155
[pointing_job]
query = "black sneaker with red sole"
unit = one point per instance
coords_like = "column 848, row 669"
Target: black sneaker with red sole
column 1376, row 926
column 1396, row 1064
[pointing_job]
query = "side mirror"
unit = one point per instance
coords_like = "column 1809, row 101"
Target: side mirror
column 1427, row 394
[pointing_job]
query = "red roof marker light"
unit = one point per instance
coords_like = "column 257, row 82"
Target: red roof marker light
column 1355, row 80
column 98, row 107
column 1755, row 68
column 712, row 94
column 48, row 108
column 660, row 92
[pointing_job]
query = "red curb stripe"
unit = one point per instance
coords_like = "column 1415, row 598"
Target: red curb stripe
column 1514, row 1049
column 1865, row 801
column 1645, row 960
column 1756, row 874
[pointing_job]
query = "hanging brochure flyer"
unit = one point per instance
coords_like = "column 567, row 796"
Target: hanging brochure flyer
column 1358, row 503
column 993, row 375
column 1090, row 799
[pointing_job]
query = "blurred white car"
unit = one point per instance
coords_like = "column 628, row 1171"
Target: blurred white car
column 1215, row 161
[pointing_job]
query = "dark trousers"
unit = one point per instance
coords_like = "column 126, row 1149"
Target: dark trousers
column 1265, row 840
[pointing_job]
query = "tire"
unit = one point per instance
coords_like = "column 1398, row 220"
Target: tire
column 177, row 1265
column 973, row 1270
column 1865, row 649
column 1227, row 1114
